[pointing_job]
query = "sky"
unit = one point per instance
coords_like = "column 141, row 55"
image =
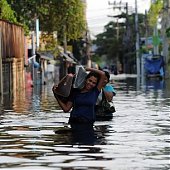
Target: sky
column 99, row 12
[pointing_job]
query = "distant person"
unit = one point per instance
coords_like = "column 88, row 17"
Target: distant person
column 114, row 69
column 106, row 69
column 108, row 91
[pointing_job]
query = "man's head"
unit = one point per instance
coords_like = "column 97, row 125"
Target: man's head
column 107, row 75
column 107, row 78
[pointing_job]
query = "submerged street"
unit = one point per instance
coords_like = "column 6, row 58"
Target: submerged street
column 35, row 134
column 43, row 41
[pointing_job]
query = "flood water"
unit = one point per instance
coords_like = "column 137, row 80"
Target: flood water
column 35, row 135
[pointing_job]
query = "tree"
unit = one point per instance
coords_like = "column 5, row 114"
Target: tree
column 107, row 41
column 72, row 19
column 6, row 12
column 120, row 47
column 66, row 16
column 154, row 12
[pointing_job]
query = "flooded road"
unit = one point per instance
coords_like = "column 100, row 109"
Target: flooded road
column 35, row 135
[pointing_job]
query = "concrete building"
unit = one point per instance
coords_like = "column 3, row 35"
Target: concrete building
column 165, row 24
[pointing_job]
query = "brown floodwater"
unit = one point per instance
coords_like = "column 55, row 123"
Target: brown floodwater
column 34, row 133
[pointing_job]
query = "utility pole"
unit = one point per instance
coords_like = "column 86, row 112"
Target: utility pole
column 146, row 25
column 88, row 45
column 63, row 65
column 137, row 40
column 37, row 35
column 137, row 47
column 1, row 78
column 165, row 26
column 120, row 6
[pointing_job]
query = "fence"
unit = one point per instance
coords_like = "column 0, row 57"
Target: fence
column 12, row 58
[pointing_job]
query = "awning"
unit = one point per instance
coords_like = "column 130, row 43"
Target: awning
column 67, row 58
column 47, row 56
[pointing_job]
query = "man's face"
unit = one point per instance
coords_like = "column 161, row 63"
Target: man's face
column 105, row 81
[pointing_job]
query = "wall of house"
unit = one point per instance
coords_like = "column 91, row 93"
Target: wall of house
column 166, row 40
column 12, row 60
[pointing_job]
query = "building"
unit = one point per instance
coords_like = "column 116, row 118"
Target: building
column 165, row 25
column 12, row 60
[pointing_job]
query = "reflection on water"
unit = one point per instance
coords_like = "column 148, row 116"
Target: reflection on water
column 155, row 84
column 35, row 134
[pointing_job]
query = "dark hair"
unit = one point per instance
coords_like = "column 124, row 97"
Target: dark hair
column 107, row 75
column 94, row 74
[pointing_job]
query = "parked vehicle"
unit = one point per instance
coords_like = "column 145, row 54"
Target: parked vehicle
column 154, row 66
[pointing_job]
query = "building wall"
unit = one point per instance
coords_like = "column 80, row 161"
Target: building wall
column 12, row 60
column 166, row 40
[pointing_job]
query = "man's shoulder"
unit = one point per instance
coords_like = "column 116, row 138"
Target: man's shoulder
column 109, row 88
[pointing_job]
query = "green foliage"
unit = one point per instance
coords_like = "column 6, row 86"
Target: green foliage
column 154, row 12
column 143, row 50
column 54, row 15
column 72, row 21
column 27, row 11
column 117, row 42
column 97, row 59
column 119, row 37
column 107, row 41
column 168, row 32
column 49, row 42
column 6, row 12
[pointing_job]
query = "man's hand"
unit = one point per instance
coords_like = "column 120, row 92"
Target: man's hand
column 54, row 88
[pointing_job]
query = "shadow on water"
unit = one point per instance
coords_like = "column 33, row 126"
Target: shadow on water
column 155, row 84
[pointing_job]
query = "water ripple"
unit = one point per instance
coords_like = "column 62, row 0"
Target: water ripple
column 37, row 135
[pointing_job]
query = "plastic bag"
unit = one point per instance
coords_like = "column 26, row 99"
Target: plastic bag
column 80, row 78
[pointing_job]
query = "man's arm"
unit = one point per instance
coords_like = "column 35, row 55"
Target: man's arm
column 109, row 92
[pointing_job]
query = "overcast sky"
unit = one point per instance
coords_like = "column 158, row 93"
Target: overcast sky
column 98, row 12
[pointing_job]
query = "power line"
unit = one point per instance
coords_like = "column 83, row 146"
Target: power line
column 96, row 10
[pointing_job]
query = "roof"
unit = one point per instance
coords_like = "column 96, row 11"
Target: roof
column 47, row 56
column 67, row 58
